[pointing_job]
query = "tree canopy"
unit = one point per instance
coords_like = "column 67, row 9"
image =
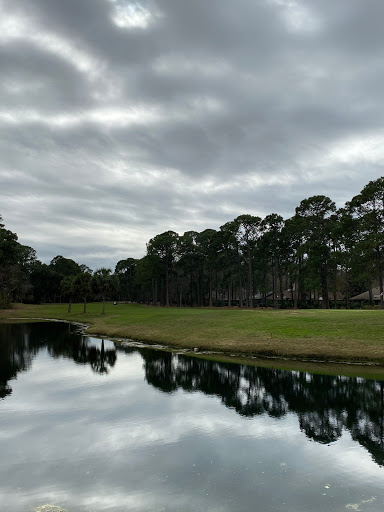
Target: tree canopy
column 318, row 257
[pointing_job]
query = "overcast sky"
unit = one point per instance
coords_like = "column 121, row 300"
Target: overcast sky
column 120, row 120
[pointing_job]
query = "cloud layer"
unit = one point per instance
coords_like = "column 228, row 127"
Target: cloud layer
column 121, row 119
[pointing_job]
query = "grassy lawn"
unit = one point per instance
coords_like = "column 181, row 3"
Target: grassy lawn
column 332, row 335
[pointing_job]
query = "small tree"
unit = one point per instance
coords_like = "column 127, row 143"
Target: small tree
column 67, row 287
column 104, row 283
column 82, row 287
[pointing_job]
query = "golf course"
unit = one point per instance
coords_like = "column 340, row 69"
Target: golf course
column 322, row 335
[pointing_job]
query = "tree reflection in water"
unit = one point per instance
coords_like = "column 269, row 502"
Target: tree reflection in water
column 324, row 405
column 20, row 343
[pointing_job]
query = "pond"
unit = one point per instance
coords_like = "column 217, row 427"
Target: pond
column 90, row 425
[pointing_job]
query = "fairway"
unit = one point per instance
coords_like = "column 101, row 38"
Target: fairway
column 330, row 335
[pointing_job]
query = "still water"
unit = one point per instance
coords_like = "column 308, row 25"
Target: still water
column 87, row 425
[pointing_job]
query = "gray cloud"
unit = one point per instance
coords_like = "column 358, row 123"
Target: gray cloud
column 122, row 119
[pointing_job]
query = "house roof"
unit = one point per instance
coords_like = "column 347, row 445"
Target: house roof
column 365, row 295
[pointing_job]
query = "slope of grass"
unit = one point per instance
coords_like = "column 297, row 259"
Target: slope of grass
column 332, row 335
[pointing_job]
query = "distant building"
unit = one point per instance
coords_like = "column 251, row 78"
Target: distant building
column 365, row 296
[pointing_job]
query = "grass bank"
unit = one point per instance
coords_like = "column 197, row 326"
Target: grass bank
column 330, row 335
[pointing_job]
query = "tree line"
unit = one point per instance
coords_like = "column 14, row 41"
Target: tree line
column 321, row 256
column 23, row 278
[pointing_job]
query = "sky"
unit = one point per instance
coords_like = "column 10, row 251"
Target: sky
column 122, row 119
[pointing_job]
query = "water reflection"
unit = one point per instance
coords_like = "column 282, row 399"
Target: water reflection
column 324, row 405
column 20, row 343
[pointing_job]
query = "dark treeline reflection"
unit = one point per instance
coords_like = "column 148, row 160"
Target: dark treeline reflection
column 324, row 405
column 19, row 344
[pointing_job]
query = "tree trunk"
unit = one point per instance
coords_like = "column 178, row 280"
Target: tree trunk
column 335, row 288
column 166, row 285
column 210, row 289
column 240, row 290
column 162, row 293
column 324, row 286
column 281, row 288
column 295, row 295
column 85, row 305
column 346, row 289
column 274, row 283
column 103, row 304
column 216, row 292
column 69, row 305
column 250, row 290
column 102, row 351
column 380, row 277
column 370, row 293
column 191, row 290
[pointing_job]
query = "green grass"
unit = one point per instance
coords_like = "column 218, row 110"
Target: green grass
column 330, row 335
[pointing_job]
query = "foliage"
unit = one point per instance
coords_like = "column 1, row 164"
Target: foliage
column 82, row 286
column 67, row 286
column 125, row 271
column 164, row 246
column 368, row 209
column 105, row 283
column 314, row 259
column 65, row 266
column 12, row 257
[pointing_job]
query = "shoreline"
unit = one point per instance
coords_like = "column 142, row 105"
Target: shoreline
column 231, row 336
column 365, row 369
